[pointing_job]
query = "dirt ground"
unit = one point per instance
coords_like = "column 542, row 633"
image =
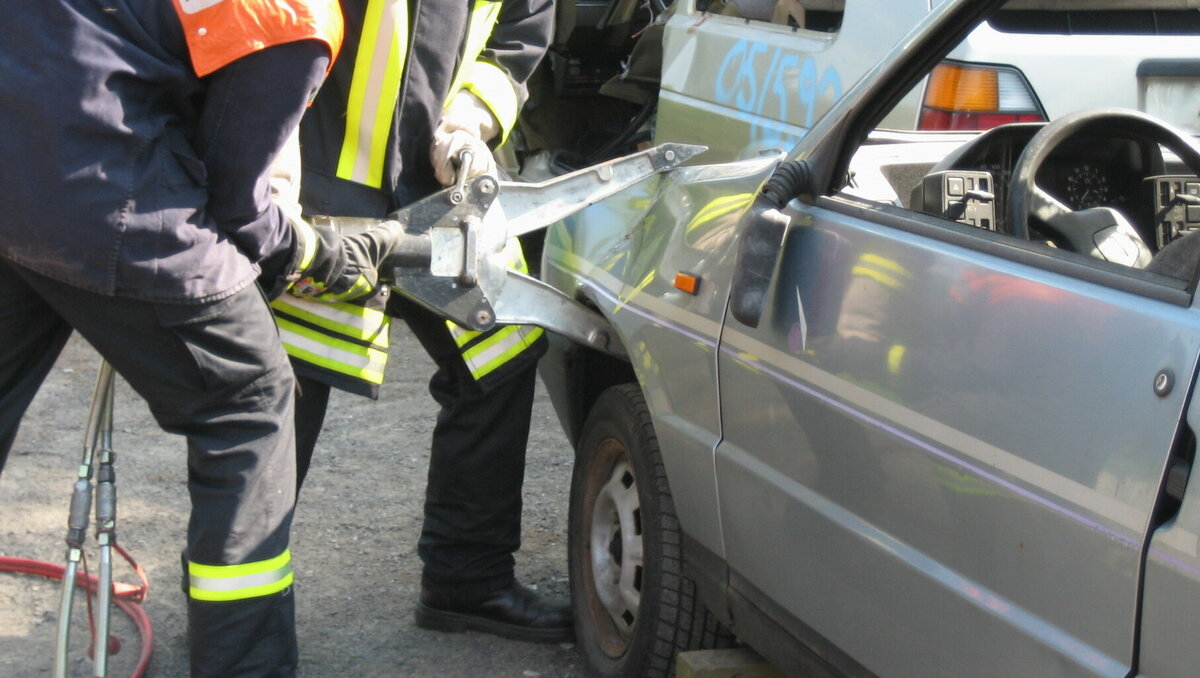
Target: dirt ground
column 354, row 542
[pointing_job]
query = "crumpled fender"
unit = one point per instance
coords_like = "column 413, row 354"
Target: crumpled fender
column 623, row 253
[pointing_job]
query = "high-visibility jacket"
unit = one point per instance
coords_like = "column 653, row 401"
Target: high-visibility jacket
column 117, row 182
column 365, row 152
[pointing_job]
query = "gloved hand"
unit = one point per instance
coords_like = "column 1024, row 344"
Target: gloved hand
column 324, row 264
column 466, row 123
column 330, row 266
column 445, row 156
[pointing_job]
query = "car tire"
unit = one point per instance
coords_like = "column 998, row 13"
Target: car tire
column 635, row 609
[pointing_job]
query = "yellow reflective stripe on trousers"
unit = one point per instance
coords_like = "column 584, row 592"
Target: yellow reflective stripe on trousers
column 239, row 582
column 488, row 355
column 374, row 89
column 343, row 318
column 322, row 350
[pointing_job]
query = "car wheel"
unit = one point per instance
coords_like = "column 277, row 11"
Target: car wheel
column 634, row 607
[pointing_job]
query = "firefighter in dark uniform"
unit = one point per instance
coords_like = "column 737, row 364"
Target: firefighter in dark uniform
column 419, row 80
column 137, row 137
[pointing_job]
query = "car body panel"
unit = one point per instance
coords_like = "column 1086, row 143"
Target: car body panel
column 919, row 436
column 622, row 255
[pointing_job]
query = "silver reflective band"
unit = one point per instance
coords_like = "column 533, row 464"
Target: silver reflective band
column 238, row 587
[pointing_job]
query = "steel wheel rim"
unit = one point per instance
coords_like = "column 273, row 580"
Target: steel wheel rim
column 617, row 552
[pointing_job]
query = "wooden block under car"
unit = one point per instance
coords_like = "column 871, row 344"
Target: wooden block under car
column 734, row 663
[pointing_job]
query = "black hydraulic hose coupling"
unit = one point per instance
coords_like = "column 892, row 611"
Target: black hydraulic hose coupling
column 786, row 182
column 77, row 519
column 106, row 497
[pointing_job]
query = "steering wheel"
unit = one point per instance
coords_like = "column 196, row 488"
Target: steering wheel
column 1086, row 230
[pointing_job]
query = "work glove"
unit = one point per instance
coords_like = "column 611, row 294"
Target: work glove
column 324, row 264
column 328, row 265
column 466, row 124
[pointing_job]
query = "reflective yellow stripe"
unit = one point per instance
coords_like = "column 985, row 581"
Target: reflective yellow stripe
column 374, row 89
column 516, row 256
column 491, row 353
column 719, row 207
column 878, row 276
column 375, row 84
column 344, row 357
column 876, row 260
column 239, row 582
column 349, row 320
column 361, row 287
column 493, row 86
column 308, row 242
column 372, row 374
column 515, row 261
column 462, row 337
column 479, row 28
column 895, row 358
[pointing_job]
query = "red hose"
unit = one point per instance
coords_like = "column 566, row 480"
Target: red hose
column 127, row 597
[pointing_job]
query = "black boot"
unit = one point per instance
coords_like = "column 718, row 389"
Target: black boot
column 513, row 612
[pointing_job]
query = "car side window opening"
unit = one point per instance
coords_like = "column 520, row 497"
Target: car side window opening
column 824, row 16
column 1112, row 187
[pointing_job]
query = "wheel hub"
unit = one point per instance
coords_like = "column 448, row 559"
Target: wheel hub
column 616, row 548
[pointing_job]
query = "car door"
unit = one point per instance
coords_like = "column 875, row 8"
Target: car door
column 942, row 447
column 936, row 455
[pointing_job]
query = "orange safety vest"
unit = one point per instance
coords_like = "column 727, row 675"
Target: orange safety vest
column 221, row 31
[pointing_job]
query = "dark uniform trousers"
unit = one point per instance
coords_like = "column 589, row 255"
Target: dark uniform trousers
column 216, row 374
column 477, row 459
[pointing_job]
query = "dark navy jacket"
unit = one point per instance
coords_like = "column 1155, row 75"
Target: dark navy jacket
column 123, row 173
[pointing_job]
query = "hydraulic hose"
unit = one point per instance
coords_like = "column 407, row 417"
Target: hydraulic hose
column 127, row 597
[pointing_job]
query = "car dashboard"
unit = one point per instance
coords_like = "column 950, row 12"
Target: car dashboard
column 969, row 178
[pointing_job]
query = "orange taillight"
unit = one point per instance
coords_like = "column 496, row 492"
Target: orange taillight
column 969, row 96
column 966, row 89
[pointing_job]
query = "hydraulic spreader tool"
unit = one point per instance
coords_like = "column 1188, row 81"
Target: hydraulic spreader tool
column 450, row 257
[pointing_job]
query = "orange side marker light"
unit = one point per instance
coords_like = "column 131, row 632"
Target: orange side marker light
column 687, row 282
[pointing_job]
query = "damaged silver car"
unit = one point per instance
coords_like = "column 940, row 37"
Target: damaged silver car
column 898, row 403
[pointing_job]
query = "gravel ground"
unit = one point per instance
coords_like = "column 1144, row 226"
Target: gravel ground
column 354, row 541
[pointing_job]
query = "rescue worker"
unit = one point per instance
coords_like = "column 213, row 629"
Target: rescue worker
column 417, row 83
column 137, row 137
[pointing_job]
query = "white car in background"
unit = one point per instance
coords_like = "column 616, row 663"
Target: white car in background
column 1037, row 59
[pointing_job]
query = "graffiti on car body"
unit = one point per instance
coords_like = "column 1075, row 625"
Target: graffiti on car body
column 770, row 83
